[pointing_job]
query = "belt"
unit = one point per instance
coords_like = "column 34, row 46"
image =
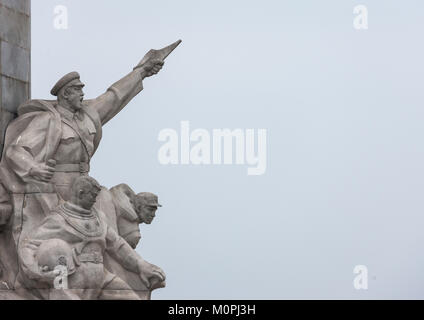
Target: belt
column 82, row 167
column 95, row 257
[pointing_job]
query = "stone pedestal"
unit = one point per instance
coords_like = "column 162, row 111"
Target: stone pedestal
column 15, row 59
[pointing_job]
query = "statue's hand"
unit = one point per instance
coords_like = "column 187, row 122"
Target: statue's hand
column 150, row 274
column 152, row 67
column 43, row 172
column 48, row 276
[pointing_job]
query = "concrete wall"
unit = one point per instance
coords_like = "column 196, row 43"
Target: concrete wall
column 15, row 59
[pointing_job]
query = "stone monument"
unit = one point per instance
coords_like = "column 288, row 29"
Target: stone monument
column 63, row 235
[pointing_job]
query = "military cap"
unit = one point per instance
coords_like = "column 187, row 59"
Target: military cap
column 64, row 81
column 149, row 199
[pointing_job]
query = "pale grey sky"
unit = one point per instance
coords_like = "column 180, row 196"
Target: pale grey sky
column 344, row 114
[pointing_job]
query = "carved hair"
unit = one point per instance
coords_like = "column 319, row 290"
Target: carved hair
column 84, row 183
column 62, row 92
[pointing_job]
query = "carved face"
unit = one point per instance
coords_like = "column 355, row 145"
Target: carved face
column 147, row 213
column 87, row 198
column 74, row 95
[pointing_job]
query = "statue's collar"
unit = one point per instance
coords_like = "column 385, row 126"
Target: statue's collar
column 75, row 210
column 67, row 114
column 87, row 224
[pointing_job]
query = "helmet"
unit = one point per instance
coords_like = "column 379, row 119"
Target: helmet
column 55, row 252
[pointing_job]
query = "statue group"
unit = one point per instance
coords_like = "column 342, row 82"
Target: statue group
column 62, row 234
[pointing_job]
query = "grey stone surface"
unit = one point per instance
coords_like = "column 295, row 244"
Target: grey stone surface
column 22, row 6
column 14, row 92
column 5, row 118
column 14, row 27
column 15, row 61
column 15, row 42
column 14, row 32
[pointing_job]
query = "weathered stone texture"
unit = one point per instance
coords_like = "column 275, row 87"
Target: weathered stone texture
column 15, row 65
column 15, row 27
column 22, row 6
column 14, row 92
column 5, row 118
column 15, row 62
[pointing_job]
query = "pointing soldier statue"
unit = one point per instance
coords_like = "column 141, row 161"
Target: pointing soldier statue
column 51, row 143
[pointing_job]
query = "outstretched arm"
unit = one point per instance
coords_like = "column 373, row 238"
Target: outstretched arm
column 124, row 90
column 149, row 274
